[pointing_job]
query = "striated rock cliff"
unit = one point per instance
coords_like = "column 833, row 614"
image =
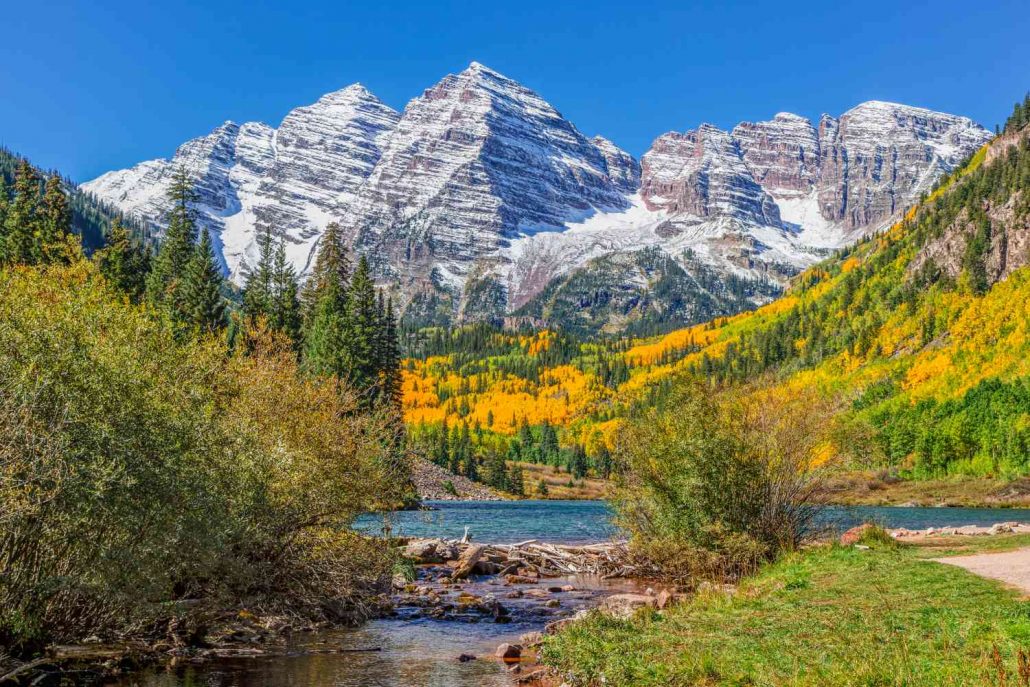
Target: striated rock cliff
column 481, row 199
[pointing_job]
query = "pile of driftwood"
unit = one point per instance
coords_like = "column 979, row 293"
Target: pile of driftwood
column 529, row 558
column 607, row 559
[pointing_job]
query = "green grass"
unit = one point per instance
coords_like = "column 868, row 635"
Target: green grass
column 829, row 616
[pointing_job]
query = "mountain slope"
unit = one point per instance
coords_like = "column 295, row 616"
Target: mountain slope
column 482, row 200
column 91, row 216
column 922, row 332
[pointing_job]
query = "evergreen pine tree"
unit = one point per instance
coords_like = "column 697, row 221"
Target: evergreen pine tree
column 20, row 245
column 516, row 484
column 390, row 358
column 257, row 287
column 285, row 315
column 201, row 294
column 55, row 242
column 363, row 330
column 165, row 281
column 455, row 457
column 331, row 271
column 123, row 262
column 442, row 455
column 324, row 304
column 5, row 203
column 468, row 457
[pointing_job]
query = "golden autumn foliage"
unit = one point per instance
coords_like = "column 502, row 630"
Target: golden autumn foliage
column 859, row 326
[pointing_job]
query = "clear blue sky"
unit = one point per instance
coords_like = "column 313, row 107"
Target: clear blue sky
column 92, row 86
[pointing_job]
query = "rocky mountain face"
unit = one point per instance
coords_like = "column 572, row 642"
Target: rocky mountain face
column 480, row 199
column 250, row 177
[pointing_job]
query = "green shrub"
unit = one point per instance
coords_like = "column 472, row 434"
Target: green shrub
column 719, row 483
column 140, row 466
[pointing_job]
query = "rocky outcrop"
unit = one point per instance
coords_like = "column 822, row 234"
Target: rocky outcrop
column 878, row 158
column 621, row 167
column 434, row 483
column 782, row 154
column 702, row 174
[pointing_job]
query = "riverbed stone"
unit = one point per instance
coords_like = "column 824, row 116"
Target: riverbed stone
column 509, row 653
column 423, row 551
column 467, row 561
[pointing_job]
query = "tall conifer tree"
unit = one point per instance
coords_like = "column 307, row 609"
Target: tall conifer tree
column 124, row 262
column 331, row 271
column 285, row 315
column 257, row 289
column 55, row 242
column 390, row 358
column 20, row 245
column 5, row 203
column 201, row 294
column 165, row 281
column 325, row 307
column 363, row 334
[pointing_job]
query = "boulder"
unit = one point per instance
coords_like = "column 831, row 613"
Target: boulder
column 467, row 561
column 509, row 653
column 663, row 599
column 424, row 551
column 624, row 606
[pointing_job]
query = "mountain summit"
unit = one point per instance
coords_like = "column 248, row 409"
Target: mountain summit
column 480, row 199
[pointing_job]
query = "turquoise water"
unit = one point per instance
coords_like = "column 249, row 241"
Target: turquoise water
column 569, row 522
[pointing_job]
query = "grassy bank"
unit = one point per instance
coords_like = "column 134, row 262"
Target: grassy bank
column 873, row 490
column 829, row 616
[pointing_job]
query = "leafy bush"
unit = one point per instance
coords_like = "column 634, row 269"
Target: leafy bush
column 139, row 466
column 717, row 484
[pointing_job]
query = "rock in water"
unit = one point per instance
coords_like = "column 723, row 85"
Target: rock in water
column 509, row 653
column 467, row 561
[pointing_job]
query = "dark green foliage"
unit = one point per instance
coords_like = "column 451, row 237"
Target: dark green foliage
column 90, row 218
column 271, row 290
column 986, row 432
column 330, row 275
column 363, row 330
column 349, row 330
column 202, row 302
column 54, row 232
column 389, row 356
column 285, row 315
column 124, row 262
column 1020, row 116
column 595, row 298
column 21, row 223
column 165, row 283
column 257, row 288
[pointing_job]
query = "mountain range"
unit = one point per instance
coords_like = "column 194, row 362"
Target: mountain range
column 481, row 201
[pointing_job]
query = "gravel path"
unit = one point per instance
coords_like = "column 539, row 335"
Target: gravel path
column 1012, row 567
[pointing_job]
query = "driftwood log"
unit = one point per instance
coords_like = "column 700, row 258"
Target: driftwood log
column 606, row 559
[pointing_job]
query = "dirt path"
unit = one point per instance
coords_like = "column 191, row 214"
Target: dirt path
column 1012, row 567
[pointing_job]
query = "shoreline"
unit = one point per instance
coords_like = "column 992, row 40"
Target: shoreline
column 450, row 581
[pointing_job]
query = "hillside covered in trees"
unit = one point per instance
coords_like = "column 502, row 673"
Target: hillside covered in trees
column 919, row 335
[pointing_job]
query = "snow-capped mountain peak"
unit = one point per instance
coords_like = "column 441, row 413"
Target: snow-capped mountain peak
column 480, row 196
